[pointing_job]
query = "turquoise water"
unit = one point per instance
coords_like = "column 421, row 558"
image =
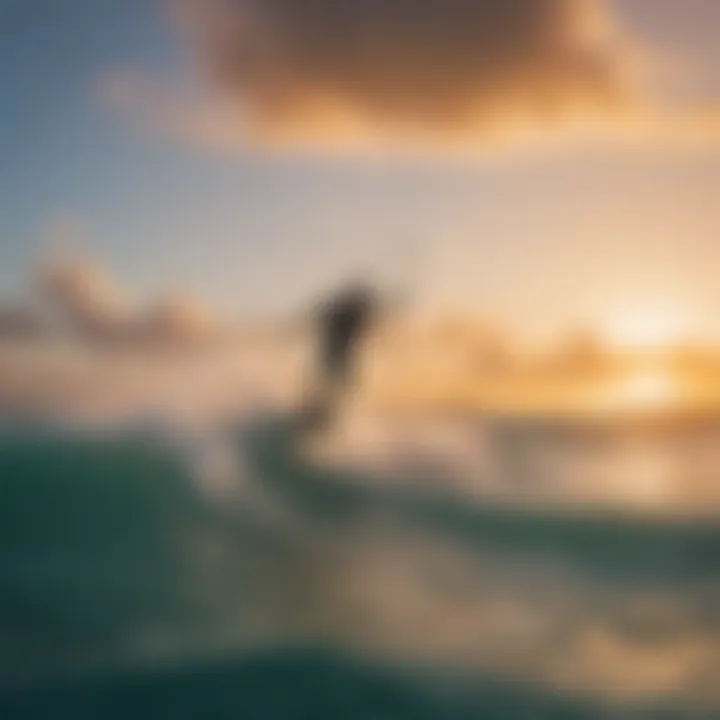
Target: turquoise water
column 127, row 591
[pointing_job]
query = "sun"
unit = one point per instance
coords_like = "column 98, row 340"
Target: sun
column 647, row 389
column 638, row 330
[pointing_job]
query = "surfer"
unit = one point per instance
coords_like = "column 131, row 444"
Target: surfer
column 343, row 322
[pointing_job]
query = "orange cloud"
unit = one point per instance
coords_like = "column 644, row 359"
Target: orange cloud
column 339, row 70
column 455, row 76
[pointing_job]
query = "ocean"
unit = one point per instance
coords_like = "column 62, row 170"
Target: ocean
column 238, row 575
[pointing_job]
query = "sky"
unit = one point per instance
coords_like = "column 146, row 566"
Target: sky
column 550, row 163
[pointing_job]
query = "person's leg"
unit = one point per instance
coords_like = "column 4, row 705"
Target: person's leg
column 328, row 384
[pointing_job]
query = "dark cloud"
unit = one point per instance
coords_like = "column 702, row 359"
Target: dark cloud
column 343, row 68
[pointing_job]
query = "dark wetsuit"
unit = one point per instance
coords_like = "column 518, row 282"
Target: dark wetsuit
column 343, row 324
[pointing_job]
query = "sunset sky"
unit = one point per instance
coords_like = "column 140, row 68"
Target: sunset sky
column 551, row 163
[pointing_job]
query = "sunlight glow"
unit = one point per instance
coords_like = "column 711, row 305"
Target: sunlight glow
column 646, row 330
column 649, row 389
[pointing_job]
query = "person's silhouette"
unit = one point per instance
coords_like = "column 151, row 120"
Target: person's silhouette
column 344, row 321
column 341, row 323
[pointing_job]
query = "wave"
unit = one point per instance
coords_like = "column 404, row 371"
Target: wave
column 121, row 550
column 308, row 682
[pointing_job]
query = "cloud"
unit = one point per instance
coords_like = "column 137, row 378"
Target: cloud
column 82, row 348
column 407, row 75
column 340, row 69
column 85, row 299
column 89, row 304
